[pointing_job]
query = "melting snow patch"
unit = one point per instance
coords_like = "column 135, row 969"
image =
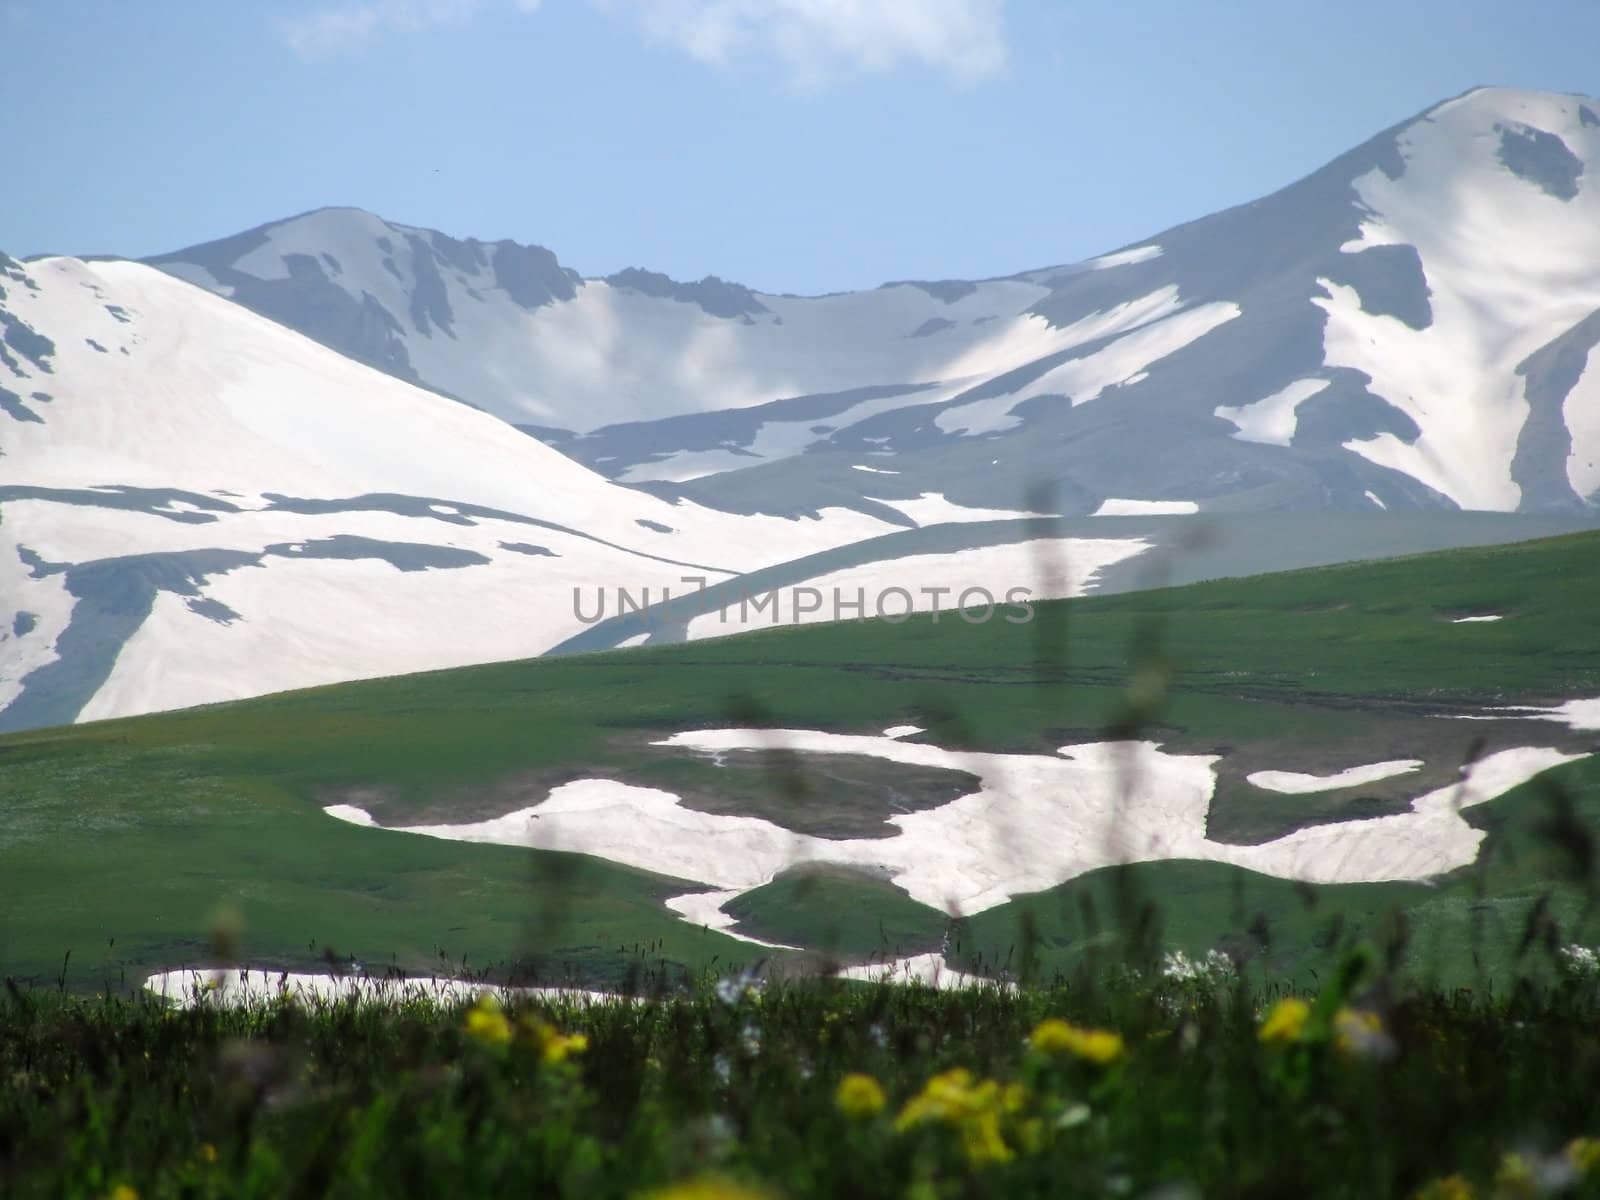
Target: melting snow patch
column 1126, row 258
column 929, row 969
column 190, row 987
column 1375, row 500
column 1114, row 507
column 1272, row 421
column 1295, row 783
column 931, row 508
column 902, row 731
column 705, row 908
column 1574, row 714
column 873, row 470
column 1429, row 840
column 1477, row 620
column 1036, row 821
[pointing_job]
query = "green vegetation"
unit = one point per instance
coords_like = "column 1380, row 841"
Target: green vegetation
column 1125, row 1086
column 121, row 841
column 859, row 916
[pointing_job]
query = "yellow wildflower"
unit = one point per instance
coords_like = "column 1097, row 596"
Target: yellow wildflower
column 208, row 1152
column 1516, row 1177
column 1584, row 1155
column 974, row 1109
column 554, row 1046
column 1014, row 1098
column 487, row 1024
column 709, row 1187
column 1286, row 1022
column 980, row 1138
column 859, row 1096
column 1055, row 1036
column 1451, row 1187
column 948, row 1096
column 122, row 1192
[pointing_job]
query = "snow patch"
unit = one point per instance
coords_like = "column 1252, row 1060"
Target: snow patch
column 930, row 970
column 1272, row 421
column 705, row 909
column 903, row 731
column 1126, row 258
column 191, row 987
column 931, row 508
column 1294, row 783
column 1583, row 715
column 1151, row 328
column 1116, row 507
column 1582, row 412
column 1035, row 822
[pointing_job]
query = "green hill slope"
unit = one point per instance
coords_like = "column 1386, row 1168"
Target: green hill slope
column 120, row 841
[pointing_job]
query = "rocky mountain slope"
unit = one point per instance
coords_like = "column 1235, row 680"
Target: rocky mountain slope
column 1409, row 327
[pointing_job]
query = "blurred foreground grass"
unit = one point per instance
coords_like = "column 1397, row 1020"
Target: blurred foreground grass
column 1184, row 1081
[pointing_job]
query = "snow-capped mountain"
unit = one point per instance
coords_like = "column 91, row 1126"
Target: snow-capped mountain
column 303, row 454
column 1409, row 327
column 198, row 504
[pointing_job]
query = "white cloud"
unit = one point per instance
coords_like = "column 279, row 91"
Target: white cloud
column 344, row 26
column 815, row 41
column 818, row 40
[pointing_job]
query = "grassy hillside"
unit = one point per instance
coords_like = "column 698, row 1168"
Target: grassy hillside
column 122, row 841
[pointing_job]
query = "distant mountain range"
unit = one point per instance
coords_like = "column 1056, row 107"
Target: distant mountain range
column 1408, row 327
column 337, row 447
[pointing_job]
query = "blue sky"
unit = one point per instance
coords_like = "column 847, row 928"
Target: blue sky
column 792, row 145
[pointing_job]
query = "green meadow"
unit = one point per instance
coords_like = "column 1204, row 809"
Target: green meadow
column 127, row 844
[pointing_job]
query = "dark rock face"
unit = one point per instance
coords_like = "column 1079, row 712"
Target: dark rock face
column 1390, row 281
column 308, row 301
column 531, row 275
column 1542, row 159
column 429, row 299
column 716, row 296
column 1552, row 371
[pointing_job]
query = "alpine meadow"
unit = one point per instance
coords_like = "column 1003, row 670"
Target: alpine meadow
column 1121, row 728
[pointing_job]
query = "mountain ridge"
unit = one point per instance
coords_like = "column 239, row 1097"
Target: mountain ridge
column 1244, row 301
column 203, row 498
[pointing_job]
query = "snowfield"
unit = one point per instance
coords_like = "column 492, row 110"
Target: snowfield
column 294, row 518
column 1513, row 267
column 1144, row 331
column 1115, row 507
column 1574, row 714
column 192, row 987
column 1035, row 822
column 1272, row 420
column 1295, row 783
